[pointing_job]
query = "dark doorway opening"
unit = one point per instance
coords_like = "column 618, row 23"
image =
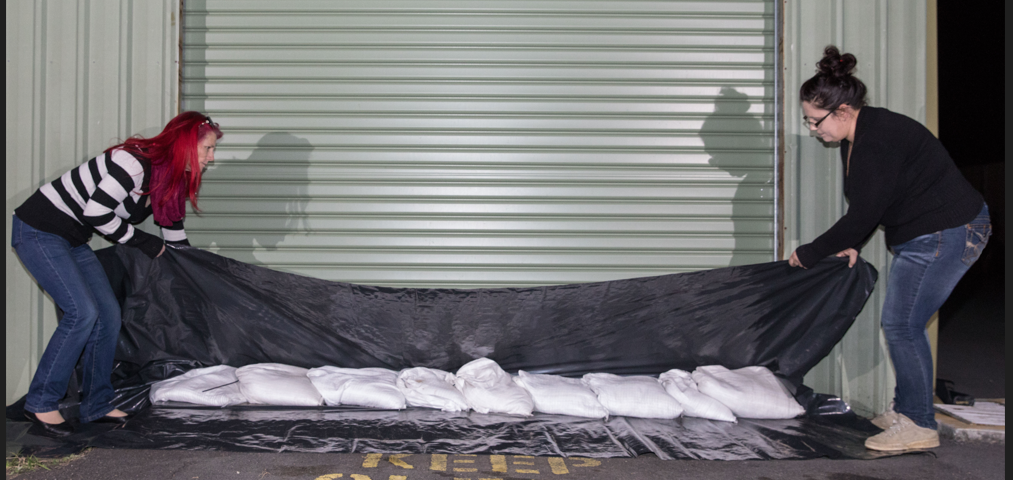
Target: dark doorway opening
column 972, row 322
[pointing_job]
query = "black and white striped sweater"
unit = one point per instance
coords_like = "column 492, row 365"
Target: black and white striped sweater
column 105, row 194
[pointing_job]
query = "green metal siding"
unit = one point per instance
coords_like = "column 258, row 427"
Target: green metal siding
column 889, row 39
column 80, row 76
column 500, row 197
column 485, row 143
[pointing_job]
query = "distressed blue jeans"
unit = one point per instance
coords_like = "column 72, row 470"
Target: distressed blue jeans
column 923, row 273
column 88, row 331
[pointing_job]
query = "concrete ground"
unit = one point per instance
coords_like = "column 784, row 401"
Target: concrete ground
column 963, row 461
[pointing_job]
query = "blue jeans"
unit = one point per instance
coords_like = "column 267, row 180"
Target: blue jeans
column 923, row 273
column 75, row 280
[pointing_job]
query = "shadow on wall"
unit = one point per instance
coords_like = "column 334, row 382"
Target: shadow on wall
column 286, row 157
column 730, row 153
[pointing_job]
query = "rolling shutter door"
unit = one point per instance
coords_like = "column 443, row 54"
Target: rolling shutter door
column 485, row 143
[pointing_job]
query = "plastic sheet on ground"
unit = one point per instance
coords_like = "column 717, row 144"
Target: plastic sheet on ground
column 191, row 308
column 426, row 431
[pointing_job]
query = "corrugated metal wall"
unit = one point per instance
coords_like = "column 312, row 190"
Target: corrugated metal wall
column 485, row 143
column 80, row 75
column 889, row 39
column 510, row 141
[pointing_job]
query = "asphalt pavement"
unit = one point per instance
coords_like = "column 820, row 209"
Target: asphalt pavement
column 963, row 461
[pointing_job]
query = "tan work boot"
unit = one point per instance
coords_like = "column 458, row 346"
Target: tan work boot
column 885, row 419
column 903, row 434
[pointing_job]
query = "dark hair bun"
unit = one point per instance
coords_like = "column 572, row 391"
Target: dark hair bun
column 833, row 64
column 834, row 85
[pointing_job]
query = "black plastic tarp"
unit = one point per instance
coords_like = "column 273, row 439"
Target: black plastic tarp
column 191, row 308
column 197, row 306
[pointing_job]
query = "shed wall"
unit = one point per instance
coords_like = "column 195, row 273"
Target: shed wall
column 74, row 88
column 81, row 75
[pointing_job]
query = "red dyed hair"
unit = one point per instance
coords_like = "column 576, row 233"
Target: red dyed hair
column 175, row 171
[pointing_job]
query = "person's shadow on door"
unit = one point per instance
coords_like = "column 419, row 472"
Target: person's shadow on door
column 291, row 190
column 734, row 139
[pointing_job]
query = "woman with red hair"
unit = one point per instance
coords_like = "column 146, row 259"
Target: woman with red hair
column 50, row 232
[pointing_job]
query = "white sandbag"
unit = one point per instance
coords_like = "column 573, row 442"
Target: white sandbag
column 680, row 385
column 638, row 396
column 360, row 387
column 750, row 392
column 276, row 384
column 561, row 395
column 489, row 389
column 431, row 388
column 212, row 386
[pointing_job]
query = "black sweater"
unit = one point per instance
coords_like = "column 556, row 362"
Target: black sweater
column 900, row 177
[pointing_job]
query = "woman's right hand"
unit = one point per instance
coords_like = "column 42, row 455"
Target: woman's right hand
column 160, row 253
column 852, row 255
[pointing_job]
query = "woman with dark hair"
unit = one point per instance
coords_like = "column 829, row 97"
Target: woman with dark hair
column 896, row 174
column 50, row 233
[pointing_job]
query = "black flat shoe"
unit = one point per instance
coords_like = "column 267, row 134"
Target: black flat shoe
column 112, row 420
column 54, row 429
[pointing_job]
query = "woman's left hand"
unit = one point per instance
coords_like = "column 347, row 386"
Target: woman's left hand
column 793, row 261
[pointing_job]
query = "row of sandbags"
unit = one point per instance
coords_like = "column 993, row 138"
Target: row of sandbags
column 711, row 392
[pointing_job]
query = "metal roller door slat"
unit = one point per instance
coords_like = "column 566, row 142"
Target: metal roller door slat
column 485, row 143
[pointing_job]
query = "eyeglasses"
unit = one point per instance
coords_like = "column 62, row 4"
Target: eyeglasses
column 807, row 122
column 207, row 120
